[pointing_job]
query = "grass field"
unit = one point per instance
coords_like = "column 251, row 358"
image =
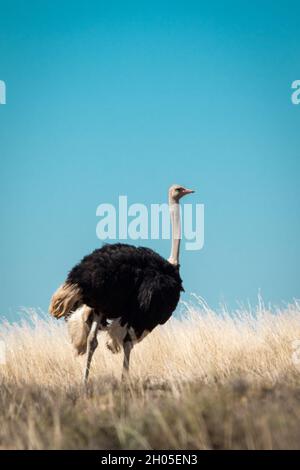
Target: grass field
column 207, row 381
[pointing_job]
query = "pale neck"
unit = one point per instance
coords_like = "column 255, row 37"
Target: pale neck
column 176, row 232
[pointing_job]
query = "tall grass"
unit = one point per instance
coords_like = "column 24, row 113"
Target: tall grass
column 206, row 380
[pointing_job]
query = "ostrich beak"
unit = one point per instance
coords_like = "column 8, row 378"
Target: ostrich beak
column 187, row 191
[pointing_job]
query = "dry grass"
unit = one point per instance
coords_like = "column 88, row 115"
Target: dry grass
column 206, row 381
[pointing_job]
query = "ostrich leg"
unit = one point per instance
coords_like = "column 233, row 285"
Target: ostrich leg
column 127, row 347
column 92, row 344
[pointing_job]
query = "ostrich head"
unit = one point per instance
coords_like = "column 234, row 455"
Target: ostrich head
column 176, row 192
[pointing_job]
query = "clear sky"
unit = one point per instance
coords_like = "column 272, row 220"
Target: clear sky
column 112, row 97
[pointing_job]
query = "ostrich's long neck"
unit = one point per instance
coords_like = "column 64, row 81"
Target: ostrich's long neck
column 176, row 232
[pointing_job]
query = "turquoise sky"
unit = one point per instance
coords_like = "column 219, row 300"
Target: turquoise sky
column 113, row 97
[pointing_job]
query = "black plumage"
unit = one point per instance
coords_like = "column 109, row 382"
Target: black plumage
column 134, row 284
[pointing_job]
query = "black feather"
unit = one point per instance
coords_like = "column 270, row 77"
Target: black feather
column 135, row 284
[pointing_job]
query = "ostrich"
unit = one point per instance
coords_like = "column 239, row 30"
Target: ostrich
column 123, row 289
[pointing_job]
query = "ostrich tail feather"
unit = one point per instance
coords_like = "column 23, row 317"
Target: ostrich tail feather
column 65, row 299
column 79, row 327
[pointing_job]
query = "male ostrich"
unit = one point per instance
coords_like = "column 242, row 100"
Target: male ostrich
column 122, row 289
